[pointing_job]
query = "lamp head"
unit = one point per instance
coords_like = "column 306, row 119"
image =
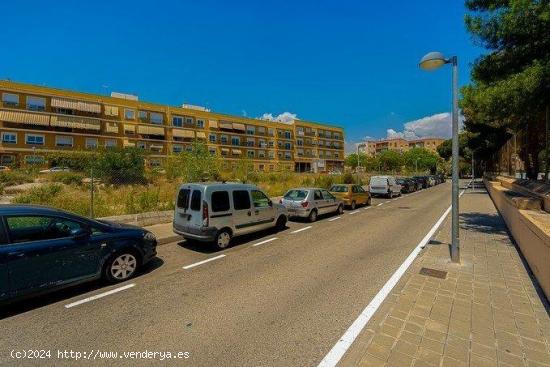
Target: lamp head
column 432, row 60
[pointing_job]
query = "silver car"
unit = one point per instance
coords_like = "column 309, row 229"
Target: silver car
column 310, row 203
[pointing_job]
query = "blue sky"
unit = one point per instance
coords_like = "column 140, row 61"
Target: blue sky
column 349, row 63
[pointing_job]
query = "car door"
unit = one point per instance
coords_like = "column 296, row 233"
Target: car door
column 318, row 202
column 4, row 278
column 331, row 203
column 43, row 253
column 243, row 220
column 264, row 212
column 362, row 194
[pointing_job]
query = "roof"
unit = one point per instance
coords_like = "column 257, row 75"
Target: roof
column 30, row 209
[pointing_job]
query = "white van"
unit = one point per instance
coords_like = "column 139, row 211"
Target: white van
column 384, row 185
column 216, row 212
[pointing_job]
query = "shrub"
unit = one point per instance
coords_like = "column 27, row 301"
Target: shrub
column 348, row 178
column 43, row 195
column 118, row 167
column 68, row 178
column 11, row 178
column 324, row 182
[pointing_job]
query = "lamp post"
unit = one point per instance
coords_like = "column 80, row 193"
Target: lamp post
column 431, row 61
column 358, row 164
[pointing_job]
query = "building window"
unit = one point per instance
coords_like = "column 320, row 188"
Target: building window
column 271, row 154
column 140, row 144
column 261, row 130
column 177, row 148
column 250, row 154
column 336, row 155
column 288, row 135
column 261, row 167
column 249, row 142
column 10, row 99
column 235, row 140
column 9, row 138
column 110, row 143
column 91, row 143
column 34, row 159
column 7, row 159
column 271, row 167
column 189, row 148
column 155, row 162
column 299, row 142
column 250, row 130
column 36, row 103
column 212, row 138
column 271, row 143
column 63, row 141
column 288, row 155
column 288, row 146
column 177, row 121
column 156, row 118
column 129, row 114
column 261, row 154
column 270, row 131
column 200, row 124
column 32, row 139
column 212, row 151
column 189, row 120
column 223, row 139
column 336, row 136
column 142, row 116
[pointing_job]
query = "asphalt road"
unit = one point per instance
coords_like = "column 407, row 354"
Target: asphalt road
column 281, row 303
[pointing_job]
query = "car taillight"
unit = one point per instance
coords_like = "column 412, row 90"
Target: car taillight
column 304, row 204
column 205, row 220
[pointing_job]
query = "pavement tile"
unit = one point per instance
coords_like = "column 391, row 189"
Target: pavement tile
column 487, row 312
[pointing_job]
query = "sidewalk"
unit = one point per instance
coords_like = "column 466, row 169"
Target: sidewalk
column 164, row 233
column 486, row 312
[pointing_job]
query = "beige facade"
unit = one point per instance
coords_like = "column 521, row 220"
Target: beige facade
column 35, row 120
column 374, row 147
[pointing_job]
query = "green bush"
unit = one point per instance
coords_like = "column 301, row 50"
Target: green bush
column 348, row 178
column 43, row 195
column 324, row 182
column 11, row 178
column 117, row 167
column 68, row 178
column 75, row 160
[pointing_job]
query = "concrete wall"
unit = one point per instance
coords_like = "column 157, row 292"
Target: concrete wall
column 144, row 219
column 528, row 227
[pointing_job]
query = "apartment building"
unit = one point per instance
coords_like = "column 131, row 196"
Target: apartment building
column 35, row 120
column 374, row 147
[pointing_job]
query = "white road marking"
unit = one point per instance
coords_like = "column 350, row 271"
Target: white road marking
column 355, row 212
column 343, row 344
column 100, row 295
column 264, row 241
column 203, row 262
column 333, row 219
column 380, row 204
column 368, row 207
column 301, row 229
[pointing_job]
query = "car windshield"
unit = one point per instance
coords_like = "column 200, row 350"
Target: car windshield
column 296, row 195
column 378, row 181
column 339, row 188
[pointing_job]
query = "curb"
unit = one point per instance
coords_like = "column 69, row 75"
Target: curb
column 168, row 239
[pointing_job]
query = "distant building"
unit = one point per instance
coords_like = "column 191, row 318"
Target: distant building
column 374, row 147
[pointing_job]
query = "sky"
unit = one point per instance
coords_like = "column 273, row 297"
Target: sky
column 348, row 63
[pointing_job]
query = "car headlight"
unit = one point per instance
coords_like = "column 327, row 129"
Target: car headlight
column 149, row 236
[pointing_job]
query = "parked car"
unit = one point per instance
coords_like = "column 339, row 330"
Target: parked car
column 423, row 181
column 384, row 185
column 431, row 181
column 407, row 185
column 55, row 170
column 217, row 212
column 44, row 249
column 4, row 168
column 311, row 202
column 351, row 195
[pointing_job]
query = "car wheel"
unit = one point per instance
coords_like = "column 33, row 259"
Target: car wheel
column 340, row 209
column 312, row 215
column 353, row 205
column 121, row 266
column 223, row 239
column 281, row 223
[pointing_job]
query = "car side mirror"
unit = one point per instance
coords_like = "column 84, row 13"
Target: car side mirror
column 80, row 233
column 270, row 202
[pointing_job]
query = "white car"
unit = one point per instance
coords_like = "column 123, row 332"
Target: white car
column 217, row 212
column 56, row 169
column 311, row 202
column 385, row 186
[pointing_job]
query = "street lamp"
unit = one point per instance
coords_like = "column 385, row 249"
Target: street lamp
column 432, row 61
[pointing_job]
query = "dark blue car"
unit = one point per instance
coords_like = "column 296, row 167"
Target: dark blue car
column 42, row 249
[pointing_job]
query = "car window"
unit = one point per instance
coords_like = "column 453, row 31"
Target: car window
column 220, row 201
column 196, row 200
column 327, row 195
column 339, row 188
column 35, row 228
column 183, row 198
column 317, row 195
column 360, row 189
column 354, row 189
column 296, row 195
column 260, row 199
column 241, row 200
column 378, row 181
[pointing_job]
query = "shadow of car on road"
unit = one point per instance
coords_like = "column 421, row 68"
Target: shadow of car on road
column 33, row 302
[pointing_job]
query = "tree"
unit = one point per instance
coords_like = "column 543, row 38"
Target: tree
column 511, row 84
column 351, row 160
column 197, row 165
column 390, row 160
column 120, row 166
column 421, row 159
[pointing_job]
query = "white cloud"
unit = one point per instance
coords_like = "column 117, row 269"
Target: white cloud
column 285, row 117
column 438, row 125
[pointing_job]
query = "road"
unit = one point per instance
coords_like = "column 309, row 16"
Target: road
column 284, row 302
